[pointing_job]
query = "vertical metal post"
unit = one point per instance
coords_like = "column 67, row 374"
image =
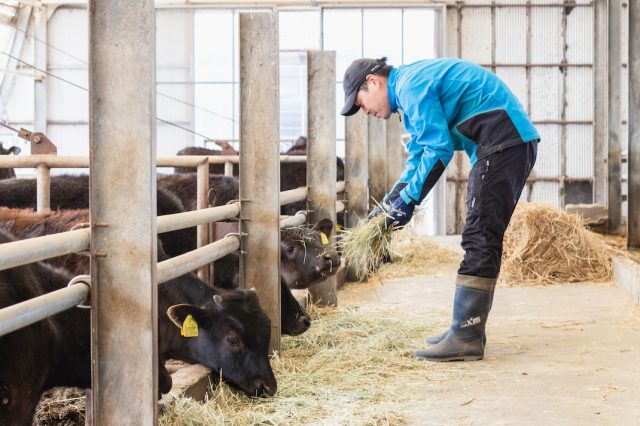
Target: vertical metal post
column 123, row 201
column 228, row 168
column 633, row 217
column 202, row 189
column 259, row 167
column 377, row 158
column 321, row 153
column 356, row 172
column 395, row 150
column 614, row 199
column 40, row 83
column 43, row 188
column 601, row 95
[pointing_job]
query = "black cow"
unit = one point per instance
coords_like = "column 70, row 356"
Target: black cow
column 8, row 173
column 222, row 189
column 233, row 338
column 214, row 169
column 72, row 192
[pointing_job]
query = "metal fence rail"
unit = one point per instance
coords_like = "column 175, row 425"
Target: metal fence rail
column 21, row 252
column 189, row 261
column 33, row 310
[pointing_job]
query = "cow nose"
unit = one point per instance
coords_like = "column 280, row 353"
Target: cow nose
column 262, row 389
column 306, row 321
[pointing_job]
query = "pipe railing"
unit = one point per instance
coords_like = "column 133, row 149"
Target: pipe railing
column 66, row 162
column 33, row 310
column 194, row 259
column 21, row 252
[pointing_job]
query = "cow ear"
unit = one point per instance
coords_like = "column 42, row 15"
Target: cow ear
column 178, row 313
column 325, row 226
column 15, row 150
column 217, row 300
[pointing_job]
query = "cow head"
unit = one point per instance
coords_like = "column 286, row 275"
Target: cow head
column 306, row 256
column 233, row 339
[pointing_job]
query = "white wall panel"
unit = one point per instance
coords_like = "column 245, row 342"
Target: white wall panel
column 476, row 34
column 579, row 94
column 70, row 140
column 546, row 92
column 174, row 45
column 378, row 42
column 299, row 29
column 19, row 107
column 548, row 160
column 213, row 45
column 218, row 123
column 579, row 151
column 347, row 48
column 580, row 35
column 171, row 139
column 511, row 35
column 169, row 106
column 418, row 35
column 546, row 192
column 67, row 102
column 546, row 36
column 69, row 34
column 516, row 79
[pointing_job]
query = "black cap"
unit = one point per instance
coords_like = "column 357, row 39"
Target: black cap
column 354, row 76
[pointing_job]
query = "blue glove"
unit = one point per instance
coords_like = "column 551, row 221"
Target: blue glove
column 400, row 213
column 388, row 200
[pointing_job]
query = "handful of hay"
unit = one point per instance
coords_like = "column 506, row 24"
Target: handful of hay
column 365, row 246
column 546, row 246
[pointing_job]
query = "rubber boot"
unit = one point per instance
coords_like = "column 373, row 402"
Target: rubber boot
column 434, row 340
column 464, row 340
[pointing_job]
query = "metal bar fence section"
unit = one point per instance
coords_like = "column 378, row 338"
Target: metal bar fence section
column 197, row 258
column 33, row 310
column 21, row 252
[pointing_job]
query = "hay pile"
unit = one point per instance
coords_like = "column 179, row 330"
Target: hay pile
column 546, row 246
column 323, row 380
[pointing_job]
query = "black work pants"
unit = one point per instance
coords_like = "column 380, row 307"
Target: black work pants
column 495, row 185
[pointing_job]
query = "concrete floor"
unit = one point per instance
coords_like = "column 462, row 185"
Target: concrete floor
column 561, row 355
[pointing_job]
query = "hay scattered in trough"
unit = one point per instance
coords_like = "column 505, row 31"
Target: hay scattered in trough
column 61, row 407
column 365, row 246
column 546, row 246
column 351, row 368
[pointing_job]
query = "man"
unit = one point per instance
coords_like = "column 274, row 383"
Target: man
column 450, row 105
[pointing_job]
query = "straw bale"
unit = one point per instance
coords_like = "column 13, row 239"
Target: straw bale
column 543, row 245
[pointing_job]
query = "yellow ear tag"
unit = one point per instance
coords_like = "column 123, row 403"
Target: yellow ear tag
column 338, row 227
column 189, row 327
column 323, row 238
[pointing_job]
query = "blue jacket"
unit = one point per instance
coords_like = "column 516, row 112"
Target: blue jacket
column 451, row 105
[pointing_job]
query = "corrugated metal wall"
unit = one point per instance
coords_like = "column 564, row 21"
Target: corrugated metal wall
column 544, row 51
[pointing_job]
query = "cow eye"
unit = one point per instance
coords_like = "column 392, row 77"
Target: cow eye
column 290, row 249
column 233, row 340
